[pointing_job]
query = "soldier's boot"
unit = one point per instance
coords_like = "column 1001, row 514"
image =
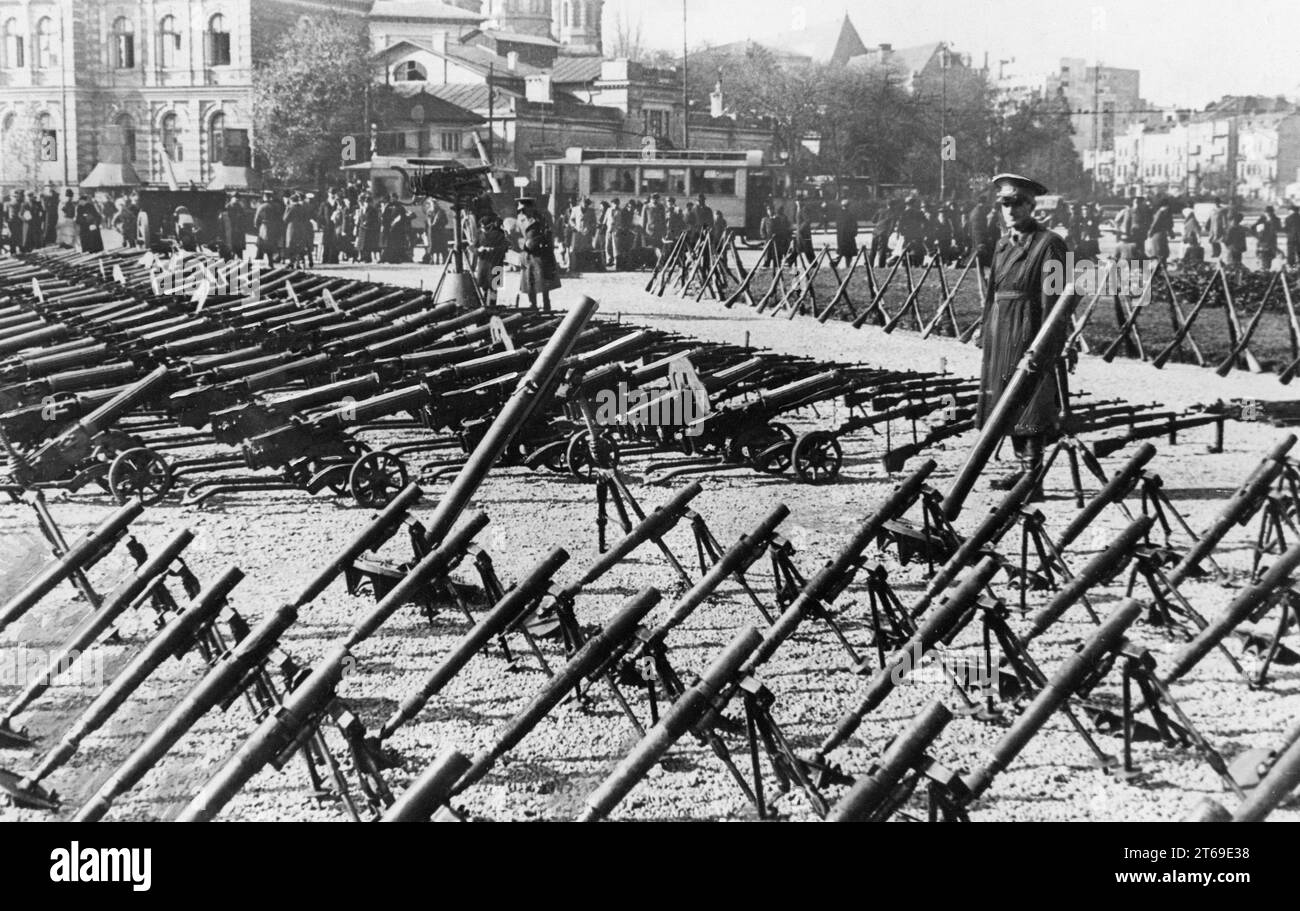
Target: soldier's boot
column 1034, row 462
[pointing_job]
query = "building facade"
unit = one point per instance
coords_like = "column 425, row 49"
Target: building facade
column 164, row 87
column 1237, row 146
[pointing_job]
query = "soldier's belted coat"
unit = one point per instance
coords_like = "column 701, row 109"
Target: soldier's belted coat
column 1014, row 306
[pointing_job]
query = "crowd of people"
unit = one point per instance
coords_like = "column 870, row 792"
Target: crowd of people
column 33, row 219
column 632, row 234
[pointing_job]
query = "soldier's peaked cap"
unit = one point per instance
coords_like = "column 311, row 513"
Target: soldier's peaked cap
column 1007, row 184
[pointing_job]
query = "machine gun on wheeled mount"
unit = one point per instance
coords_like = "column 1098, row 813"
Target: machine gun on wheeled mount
column 91, row 450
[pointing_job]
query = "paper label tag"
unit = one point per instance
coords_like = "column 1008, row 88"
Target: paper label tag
column 330, row 301
column 36, row 289
column 201, row 294
column 500, row 335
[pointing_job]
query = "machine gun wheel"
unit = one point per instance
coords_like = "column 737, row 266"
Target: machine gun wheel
column 376, row 478
column 142, row 473
column 748, row 446
column 775, row 459
column 578, row 454
column 817, row 457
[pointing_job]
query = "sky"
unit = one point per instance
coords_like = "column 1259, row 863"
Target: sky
column 1190, row 52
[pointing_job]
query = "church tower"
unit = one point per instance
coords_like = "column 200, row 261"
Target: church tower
column 528, row 17
column 579, row 26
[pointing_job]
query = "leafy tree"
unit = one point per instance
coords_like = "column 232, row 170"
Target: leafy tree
column 309, row 96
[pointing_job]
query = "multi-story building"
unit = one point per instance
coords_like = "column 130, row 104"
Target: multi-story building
column 1245, row 146
column 158, row 88
column 161, row 91
column 1105, row 100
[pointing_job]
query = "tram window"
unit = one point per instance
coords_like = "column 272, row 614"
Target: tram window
column 612, row 180
column 713, row 182
column 568, row 181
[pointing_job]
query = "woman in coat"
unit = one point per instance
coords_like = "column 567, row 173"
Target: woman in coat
column 88, row 222
column 540, row 272
column 299, row 234
column 268, row 221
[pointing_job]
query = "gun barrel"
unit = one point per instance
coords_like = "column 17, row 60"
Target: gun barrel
column 506, row 611
column 654, row 526
column 225, row 674
column 832, row 577
column 1115, row 489
column 938, row 625
column 1242, row 606
column 1281, row 779
column 1104, row 639
column 437, row 562
column 175, row 637
column 278, row 732
column 1037, row 362
column 77, row 557
column 130, row 397
column 430, row 790
column 864, row 799
column 1237, row 510
column 993, row 526
column 592, row 654
column 737, row 557
column 381, row 528
column 680, row 718
column 1104, row 565
column 532, row 388
column 100, row 620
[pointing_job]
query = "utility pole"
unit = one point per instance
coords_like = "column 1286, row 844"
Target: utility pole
column 491, row 150
column 1096, row 112
column 686, row 101
column 943, row 118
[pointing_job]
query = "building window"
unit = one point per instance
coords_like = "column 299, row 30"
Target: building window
column 451, row 142
column 171, row 137
column 14, row 58
column 126, row 131
column 169, row 43
column 217, row 139
column 218, row 41
column 45, row 57
column 410, row 71
column 417, row 113
column 123, row 44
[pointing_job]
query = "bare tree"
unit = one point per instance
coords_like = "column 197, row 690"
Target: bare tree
column 628, row 39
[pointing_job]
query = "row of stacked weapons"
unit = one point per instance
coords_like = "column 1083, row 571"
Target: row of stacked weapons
column 977, row 577
column 143, row 379
column 713, row 268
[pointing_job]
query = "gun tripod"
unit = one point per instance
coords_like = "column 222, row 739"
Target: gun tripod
column 1167, row 601
column 1277, row 518
column 611, row 488
column 1271, row 648
column 1139, row 667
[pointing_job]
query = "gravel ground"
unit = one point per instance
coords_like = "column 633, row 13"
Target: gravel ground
column 280, row 539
